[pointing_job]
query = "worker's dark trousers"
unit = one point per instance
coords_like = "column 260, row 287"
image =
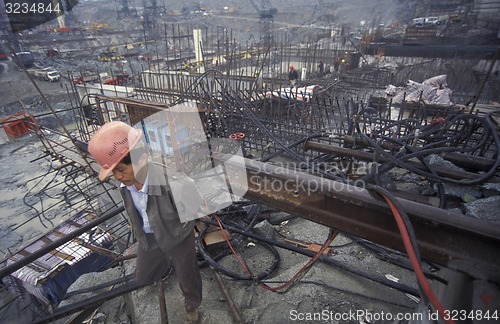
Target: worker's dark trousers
column 152, row 265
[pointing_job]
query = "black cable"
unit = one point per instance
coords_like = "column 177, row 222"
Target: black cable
column 264, row 274
column 430, row 149
column 401, row 162
column 394, row 257
column 439, row 184
column 279, row 220
column 323, row 258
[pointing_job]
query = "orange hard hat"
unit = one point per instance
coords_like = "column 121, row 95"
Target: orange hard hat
column 111, row 143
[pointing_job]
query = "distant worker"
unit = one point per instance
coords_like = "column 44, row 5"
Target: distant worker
column 336, row 64
column 259, row 80
column 293, row 76
column 321, row 68
column 164, row 241
column 345, row 61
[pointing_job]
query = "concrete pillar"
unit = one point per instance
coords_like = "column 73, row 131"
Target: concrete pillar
column 198, row 47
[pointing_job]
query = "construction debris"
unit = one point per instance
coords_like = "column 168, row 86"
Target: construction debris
column 432, row 91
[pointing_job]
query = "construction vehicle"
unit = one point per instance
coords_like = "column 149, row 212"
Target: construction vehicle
column 110, row 56
column 116, row 80
column 97, row 26
column 46, row 74
column 86, row 78
column 3, row 54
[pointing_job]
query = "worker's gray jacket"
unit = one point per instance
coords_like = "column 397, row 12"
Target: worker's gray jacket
column 163, row 217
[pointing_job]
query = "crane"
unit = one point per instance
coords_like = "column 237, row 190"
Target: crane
column 126, row 8
column 152, row 9
column 266, row 14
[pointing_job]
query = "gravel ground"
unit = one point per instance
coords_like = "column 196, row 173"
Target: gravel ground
column 324, row 289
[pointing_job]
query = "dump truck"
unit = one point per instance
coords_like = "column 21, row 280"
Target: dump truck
column 86, row 78
column 47, row 74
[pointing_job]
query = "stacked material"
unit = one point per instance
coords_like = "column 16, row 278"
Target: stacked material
column 300, row 93
column 432, row 91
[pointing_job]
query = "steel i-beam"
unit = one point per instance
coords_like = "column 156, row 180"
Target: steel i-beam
column 447, row 238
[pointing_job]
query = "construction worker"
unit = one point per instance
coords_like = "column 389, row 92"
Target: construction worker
column 336, row 64
column 164, row 241
column 259, row 80
column 321, row 69
column 292, row 76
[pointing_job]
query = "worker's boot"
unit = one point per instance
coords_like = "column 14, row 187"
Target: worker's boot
column 192, row 316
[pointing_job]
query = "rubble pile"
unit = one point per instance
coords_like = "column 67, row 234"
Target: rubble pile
column 433, row 91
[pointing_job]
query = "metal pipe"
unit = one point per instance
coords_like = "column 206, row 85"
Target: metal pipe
column 64, row 311
column 162, row 302
column 448, row 238
column 126, row 278
column 462, row 160
column 232, row 307
column 368, row 156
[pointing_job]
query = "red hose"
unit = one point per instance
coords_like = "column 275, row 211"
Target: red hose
column 416, row 264
column 298, row 275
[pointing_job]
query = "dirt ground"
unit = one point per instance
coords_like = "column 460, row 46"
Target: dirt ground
column 15, row 87
column 22, row 173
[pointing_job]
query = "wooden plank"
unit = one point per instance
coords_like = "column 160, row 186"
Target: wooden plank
column 58, row 234
column 62, row 255
column 215, row 237
column 45, row 240
column 212, row 234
